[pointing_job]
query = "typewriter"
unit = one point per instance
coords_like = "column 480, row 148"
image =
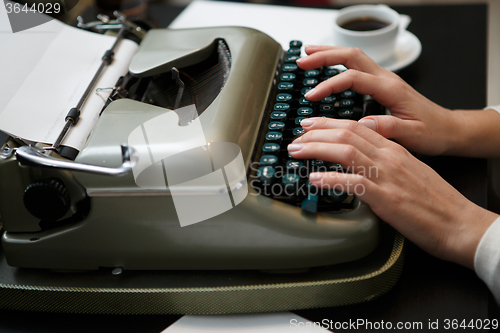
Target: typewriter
column 115, row 205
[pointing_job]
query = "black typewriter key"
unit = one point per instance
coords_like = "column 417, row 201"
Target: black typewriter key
column 290, row 183
column 287, row 77
column 292, row 58
column 298, row 131
column 326, row 108
column 326, row 115
column 270, row 160
column 295, row 44
column 293, row 51
column 347, row 94
column 336, row 195
column 285, row 86
column 298, row 120
column 312, row 73
column 278, row 116
column 274, row 137
column 266, row 174
column 328, row 100
column 290, row 67
column 305, row 90
column 310, row 204
column 271, row 149
column 304, row 112
column 304, row 101
column 346, row 103
column 345, row 113
column 310, row 82
column 283, row 97
column 277, row 126
column 285, row 107
column 331, row 71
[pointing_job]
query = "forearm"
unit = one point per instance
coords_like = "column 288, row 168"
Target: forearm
column 475, row 133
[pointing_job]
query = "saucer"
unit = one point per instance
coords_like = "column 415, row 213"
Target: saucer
column 407, row 50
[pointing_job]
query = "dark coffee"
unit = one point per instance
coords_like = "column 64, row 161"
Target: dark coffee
column 365, row 24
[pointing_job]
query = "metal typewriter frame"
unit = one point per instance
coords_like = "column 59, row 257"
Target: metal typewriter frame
column 364, row 283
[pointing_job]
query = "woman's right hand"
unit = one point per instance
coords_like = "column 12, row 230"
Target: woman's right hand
column 398, row 187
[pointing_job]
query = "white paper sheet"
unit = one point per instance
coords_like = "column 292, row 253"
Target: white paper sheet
column 311, row 26
column 282, row 322
column 45, row 71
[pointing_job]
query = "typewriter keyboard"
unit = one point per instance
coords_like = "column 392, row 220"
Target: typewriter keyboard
column 278, row 175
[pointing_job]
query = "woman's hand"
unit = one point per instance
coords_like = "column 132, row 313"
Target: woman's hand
column 417, row 123
column 399, row 188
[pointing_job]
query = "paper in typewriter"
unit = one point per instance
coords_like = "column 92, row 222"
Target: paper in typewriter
column 45, row 71
column 283, row 23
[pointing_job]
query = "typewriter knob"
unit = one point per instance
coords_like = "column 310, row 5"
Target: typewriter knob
column 47, row 199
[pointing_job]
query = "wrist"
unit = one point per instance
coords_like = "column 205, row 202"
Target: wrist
column 454, row 131
column 474, row 224
column 473, row 133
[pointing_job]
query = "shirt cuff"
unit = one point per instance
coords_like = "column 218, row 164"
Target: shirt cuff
column 493, row 107
column 487, row 259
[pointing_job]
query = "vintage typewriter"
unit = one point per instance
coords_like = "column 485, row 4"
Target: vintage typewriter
column 85, row 210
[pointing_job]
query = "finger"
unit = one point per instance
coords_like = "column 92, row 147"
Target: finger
column 310, row 49
column 346, row 155
column 386, row 91
column 340, row 136
column 321, row 123
column 351, row 58
column 350, row 183
column 390, row 126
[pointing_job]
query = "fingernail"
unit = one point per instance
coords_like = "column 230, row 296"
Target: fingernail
column 297, row 140
column 294, row 147
column 315, row 176
column 299, row 60
column 309, row 93
column 306, row 122
column 370, row 123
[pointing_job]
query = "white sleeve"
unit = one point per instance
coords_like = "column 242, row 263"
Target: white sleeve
column 493, row 107
column 487, row 259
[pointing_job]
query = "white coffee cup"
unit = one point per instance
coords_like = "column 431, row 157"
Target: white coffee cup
column 378, row 44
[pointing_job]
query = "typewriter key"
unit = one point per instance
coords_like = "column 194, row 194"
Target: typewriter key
column 282, row 107
column 282, row 97
column 278, row 116
column 285, row 86
column 271, row 148
column 304, row 112
column 277, row 126
column 268, row 160
column 288, row 77
column 266, row 174
column 292, row 58
column 274, row 137
column 311, row 73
